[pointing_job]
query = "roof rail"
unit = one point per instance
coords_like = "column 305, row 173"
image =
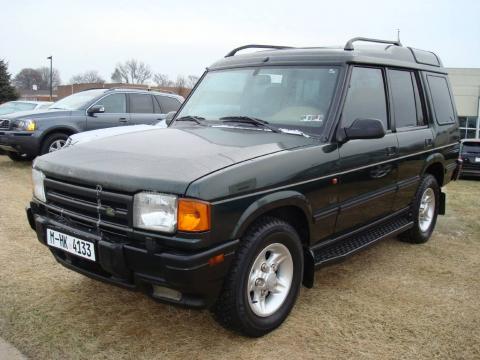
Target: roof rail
column 255, row 46
column 349, row 44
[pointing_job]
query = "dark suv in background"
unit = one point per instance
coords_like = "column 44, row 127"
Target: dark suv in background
column 470, row 155
column 25, row 135
column 279, row 162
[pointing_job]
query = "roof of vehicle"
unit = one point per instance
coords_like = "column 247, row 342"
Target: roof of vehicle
column 31, row 102
column 392, row 54
column 470, row 140
column 140, row 91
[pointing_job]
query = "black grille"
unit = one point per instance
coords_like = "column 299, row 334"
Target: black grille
column 4, row 124
column 90, row 208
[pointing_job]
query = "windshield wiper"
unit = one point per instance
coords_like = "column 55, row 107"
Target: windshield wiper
column 250, row 120
column 196, row 119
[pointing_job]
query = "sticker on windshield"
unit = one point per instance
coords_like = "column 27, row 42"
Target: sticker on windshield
column 318, row 117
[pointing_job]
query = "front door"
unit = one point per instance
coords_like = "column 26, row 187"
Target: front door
column 367, row 171
column 115, row 113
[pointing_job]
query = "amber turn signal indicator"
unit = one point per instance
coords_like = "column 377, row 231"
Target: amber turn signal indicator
column 193, row 215
column 217, row 259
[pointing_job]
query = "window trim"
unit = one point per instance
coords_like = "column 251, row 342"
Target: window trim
column 111, row 113
column 386, row 91
column 430, row 95
column 137, row 113
column 419, row 100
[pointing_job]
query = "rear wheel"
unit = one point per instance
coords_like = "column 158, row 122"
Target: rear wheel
column 53, row 142
column 264, row 280
column 424, row 211
column 19, row 157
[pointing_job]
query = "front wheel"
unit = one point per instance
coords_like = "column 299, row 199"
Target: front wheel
column 53, row 143
column 264, row 280
column 424, row 211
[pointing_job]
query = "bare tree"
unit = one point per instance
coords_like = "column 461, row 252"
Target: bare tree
column 87, row 77
column 132, row 72
column 45, row 74
column 26, row 78
column 162, row 80
column 192, row 80
column 180, row 84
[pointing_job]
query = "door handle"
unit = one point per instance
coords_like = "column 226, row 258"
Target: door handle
column 123, row 120
column 428, row 142
column 391, row 150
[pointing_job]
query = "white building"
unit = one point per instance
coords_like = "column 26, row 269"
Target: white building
column 466, row 90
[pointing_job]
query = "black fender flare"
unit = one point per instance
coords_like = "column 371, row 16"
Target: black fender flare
column 271, row 202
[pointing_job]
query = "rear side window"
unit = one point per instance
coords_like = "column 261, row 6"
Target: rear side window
column 407, row 107
column 114, row 104
column 168, row 103
column 141, row 104
column 366, row 97
column 442, row 102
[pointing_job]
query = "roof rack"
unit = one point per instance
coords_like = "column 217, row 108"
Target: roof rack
column 255, row 46
column 349, row 44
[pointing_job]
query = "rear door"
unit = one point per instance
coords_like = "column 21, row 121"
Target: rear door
column 168, row 103
column 415, row 136
column 368, row 174
column 115, row 112
column 143, row 109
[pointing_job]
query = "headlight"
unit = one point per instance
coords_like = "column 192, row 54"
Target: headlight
column 155, row 211
column 38, row 188
column 27, row 125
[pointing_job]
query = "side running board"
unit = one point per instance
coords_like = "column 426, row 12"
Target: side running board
column 339, row 249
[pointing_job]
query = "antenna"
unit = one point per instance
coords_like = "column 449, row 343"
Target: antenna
column 398, row 35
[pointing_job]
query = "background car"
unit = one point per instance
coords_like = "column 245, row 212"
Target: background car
column 20, row 105
column 470, row 154
column 26, row 135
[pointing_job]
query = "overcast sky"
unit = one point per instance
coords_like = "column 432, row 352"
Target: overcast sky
column 183, row 37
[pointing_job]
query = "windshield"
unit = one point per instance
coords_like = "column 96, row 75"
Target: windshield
column 471, row 147
column 290, row 97
column 77, row 101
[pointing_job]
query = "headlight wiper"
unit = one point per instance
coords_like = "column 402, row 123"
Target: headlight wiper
column 250, row 120
column 196, row 119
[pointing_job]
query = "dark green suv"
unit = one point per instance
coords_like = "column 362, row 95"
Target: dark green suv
column 279, row 162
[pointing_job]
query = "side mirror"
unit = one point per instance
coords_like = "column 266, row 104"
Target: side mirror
column 365, row 129
column 95, row 109
column 169, row 117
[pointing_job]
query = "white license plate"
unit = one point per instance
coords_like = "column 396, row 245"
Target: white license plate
column 71, row 244
column 477, row 159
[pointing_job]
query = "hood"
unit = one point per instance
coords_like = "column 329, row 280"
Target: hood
column 86, row 136
column 165, row 160
column 36, row 114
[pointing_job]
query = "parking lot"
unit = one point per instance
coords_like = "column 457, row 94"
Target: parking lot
column 393, row 300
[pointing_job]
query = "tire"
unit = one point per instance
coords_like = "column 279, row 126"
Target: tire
column 421, row 231
column 239, row 306
column 51, row 140
column 19, row 157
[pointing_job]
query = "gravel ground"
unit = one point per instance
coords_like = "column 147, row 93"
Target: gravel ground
column 393, row 300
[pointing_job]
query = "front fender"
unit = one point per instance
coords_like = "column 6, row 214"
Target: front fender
column 270, row 202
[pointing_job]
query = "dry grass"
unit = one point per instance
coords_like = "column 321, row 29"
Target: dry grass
column 392, row 301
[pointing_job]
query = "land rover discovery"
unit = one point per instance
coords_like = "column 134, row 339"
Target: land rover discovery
column 279, row 162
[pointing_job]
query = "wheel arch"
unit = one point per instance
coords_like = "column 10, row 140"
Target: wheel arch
column 434, row 165
column 68, row 130
column 290, row 206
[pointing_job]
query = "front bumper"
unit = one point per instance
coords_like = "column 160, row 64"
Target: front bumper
column 22, row 142
column 135, row 267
